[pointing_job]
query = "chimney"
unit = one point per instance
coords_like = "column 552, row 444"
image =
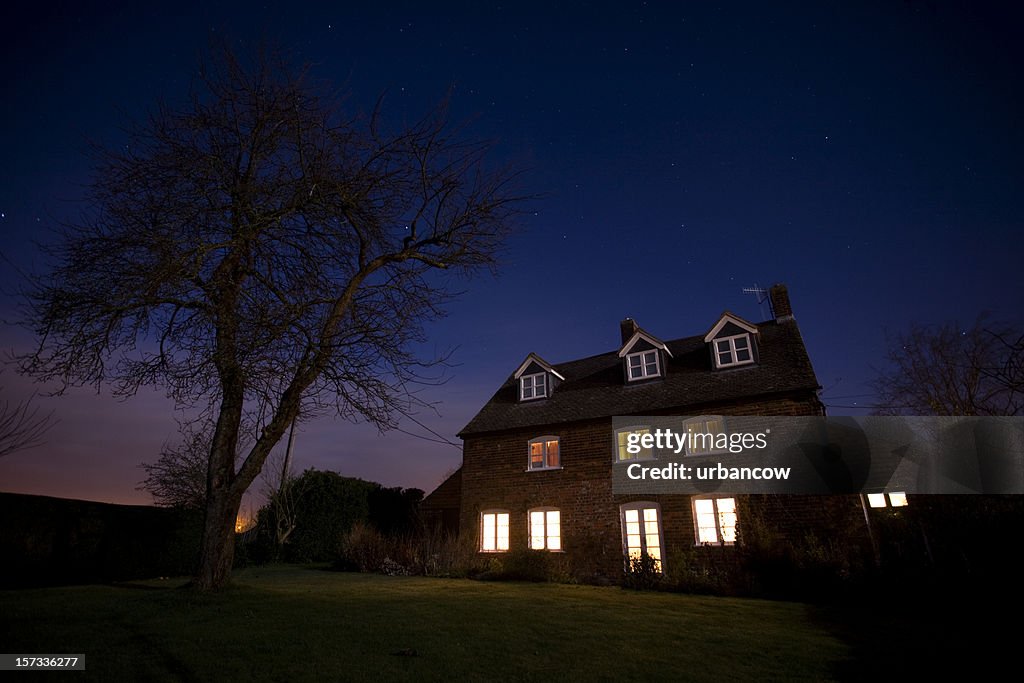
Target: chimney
column 628, row 328
column 778, row 297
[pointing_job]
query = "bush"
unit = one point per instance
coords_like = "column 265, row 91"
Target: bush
column 643, row 573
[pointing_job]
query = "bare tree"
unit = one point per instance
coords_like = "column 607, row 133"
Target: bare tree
column 178, row 477
column 257, row 254
column 22, row 425
column 952, row 370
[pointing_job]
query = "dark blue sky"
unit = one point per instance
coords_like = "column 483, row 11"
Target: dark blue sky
column 866, row 154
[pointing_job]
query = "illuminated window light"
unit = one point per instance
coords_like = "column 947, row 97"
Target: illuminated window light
column 898, row 499
column 876, row 500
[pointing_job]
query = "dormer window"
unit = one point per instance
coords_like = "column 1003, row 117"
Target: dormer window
column 643, row 356
column 732, row 342
column 643, row 365
column 533, row 386
column 733, row 351
column 536, row 379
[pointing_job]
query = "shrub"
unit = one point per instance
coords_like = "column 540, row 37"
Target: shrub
column 643, row 573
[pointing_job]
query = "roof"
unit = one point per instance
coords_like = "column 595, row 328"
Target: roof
column 595, row 388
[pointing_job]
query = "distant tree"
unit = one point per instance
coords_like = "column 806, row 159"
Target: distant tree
column 22, row 425
column 257, row 254
column 952, row 370
column 178, row 477
column 323, row 506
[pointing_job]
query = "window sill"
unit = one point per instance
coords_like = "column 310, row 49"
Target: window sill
column 543, row 469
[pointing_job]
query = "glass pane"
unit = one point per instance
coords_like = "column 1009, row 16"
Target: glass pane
column 635, row 362
column 728, row 522
column 552, row 454
column 650, row 514
column 633, row 543
column 633, row 528
column 876, row 500
column 726, row 504
column 541, row 385
column 724, row 358
column 623, row 438
column 707, row 534
column 743, row 355
column 502, row 531
column 723, row 346
column 898, row 499
column 537, row 454
column 705, row 506
column 487, row 542
column 632, row 515
column 741, row 343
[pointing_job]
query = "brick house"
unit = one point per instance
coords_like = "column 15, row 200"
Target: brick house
column 539, row 456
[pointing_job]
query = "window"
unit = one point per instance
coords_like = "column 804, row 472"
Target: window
column 641, row 532
column 715, row 519
column 545, row 529
column 533, row 386
column 897, row 499
column 642, row 364
column 702, row 433
column 623, row 447
column 733, row 351
column 544, row 453
column 493, row 531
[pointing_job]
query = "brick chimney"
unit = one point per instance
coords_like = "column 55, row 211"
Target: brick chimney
column 778, row 297
column 628, row 328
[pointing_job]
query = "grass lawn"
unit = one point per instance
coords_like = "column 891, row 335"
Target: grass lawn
column 293, row 623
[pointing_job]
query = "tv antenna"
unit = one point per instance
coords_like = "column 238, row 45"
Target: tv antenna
column 762, row 296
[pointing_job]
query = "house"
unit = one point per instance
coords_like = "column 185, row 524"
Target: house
column 539, row 457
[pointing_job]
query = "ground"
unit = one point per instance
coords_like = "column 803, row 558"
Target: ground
column 302, row 623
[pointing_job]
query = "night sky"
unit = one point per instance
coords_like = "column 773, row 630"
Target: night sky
column 866, row 154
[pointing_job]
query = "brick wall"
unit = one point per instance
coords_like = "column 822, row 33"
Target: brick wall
column 495, row 476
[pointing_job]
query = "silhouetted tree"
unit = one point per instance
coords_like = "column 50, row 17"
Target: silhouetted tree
column 257, row 254
column 952, row 370
column 22, row 425
column 178, row 477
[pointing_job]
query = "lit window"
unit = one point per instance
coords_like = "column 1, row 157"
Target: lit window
column 876, row 500
column 544, row 453
column 716, row 520
column 702, row 433
column 896, row 499
column 494, row 532
column 733, row 351
column 622, row 444
column 641, row 532
column 642, row 364
column 533, row 386
column 545, row 529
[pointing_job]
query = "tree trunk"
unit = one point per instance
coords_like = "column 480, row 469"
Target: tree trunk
column 218, row 547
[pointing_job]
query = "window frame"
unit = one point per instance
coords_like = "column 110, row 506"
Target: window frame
column 632, row 457
column 643, row 365
column 533, row 386
column 546, row 439
column 718, row 520
column 641, row 506
column 733, row 351
column 497, row 513
column 544, row 511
